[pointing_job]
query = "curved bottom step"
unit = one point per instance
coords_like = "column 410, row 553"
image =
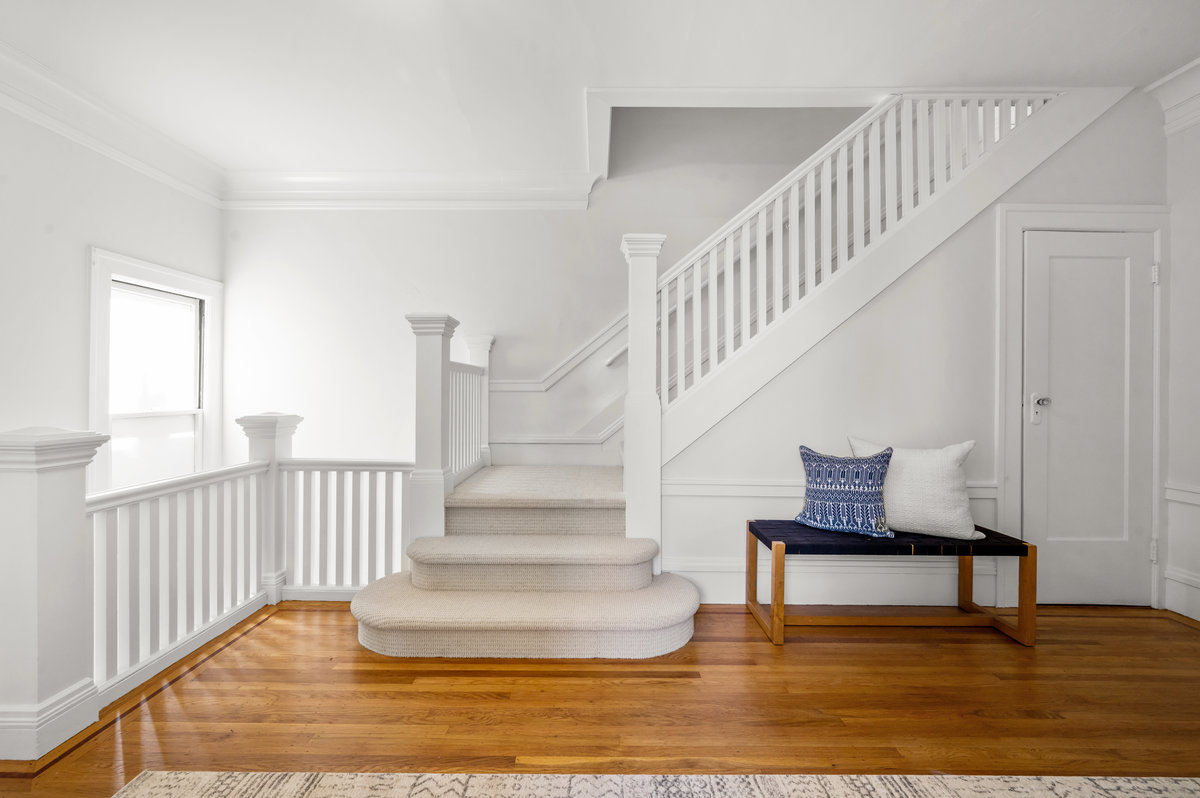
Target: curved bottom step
column 400, row 620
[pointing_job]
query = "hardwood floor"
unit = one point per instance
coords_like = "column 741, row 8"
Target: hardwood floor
column 1106, row 691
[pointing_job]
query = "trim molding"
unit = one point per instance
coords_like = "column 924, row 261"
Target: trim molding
column 775, row 488
column 1182, row 494
column 1012, row 222
column 1183, row 577
column 572, row 361
column 252, row 190
column 27, row 732
column 31, row 91
column 1179, row 95
column 121, row 685
column 318, row 593
column 565, row 438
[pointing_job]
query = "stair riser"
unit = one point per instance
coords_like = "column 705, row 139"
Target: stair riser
column 531, row 577
column 534, row 521
column 539, row 643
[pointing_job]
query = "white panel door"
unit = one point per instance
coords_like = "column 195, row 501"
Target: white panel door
column 1088, row 408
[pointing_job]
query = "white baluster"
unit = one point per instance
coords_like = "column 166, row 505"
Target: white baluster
column 727, row 286
column 760, row 271
column 697, row 319
column 714, row 305
column 842, row 189
column 777, row 245
column 681, row 334
column 826, row 203
column 810, row 233
column 151, row 593
column 939, row 145
column 907, row 186
column 745, row 270
column 924, row 145
column 891, row 135
column 794, row 244
column 874, row 182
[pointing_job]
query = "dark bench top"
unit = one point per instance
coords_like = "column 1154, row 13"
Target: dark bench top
column 801, row 539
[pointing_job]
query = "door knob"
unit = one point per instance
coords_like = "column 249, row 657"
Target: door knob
column 1043, row 401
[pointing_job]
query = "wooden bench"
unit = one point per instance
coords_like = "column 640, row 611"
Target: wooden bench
column 789, row 537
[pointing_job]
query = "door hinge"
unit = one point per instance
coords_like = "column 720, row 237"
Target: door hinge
column 1154, row 551
column 1154, row 270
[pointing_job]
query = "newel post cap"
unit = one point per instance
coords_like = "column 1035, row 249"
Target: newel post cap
column 641, row 245
column 269, row 424
column 44, row 448
column 432, row 324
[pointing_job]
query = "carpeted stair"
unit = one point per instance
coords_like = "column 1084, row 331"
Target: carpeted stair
column 535, row 563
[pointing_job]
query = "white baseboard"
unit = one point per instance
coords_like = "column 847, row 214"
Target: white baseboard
column 28, row 732
column 319, row 593
column 122, row 684
column 1183, row 592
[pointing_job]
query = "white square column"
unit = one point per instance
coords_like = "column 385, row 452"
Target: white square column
column 47, row 687
column 431, row 478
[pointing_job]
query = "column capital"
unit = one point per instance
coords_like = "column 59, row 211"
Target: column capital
column 641, row 245
column 46, row 448
column 269, row 424
column 432, row 324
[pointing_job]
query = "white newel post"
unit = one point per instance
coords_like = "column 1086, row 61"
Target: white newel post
column 47, row 687
column 479, row 347
column 430, row 481
column 270, row 437
column 643, row 412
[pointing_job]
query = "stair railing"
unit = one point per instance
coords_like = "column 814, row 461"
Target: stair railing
column 777, row 253
column 451, row 417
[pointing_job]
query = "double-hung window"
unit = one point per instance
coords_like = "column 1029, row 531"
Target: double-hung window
column 155, row 363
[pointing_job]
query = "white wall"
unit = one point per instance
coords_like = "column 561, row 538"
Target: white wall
column 315, row 300
column 916, row 367
column 58, row 198
column 1183, row 457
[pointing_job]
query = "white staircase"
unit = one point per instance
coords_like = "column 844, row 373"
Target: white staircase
column 556, row 578
column 534, row 562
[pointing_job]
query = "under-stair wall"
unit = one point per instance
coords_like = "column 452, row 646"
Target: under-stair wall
column 915, row 366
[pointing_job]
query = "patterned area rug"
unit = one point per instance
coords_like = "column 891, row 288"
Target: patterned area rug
column 158, row 784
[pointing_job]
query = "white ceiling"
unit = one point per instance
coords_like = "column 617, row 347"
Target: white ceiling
column 439, row 87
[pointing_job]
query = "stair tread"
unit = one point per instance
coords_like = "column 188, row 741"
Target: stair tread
column 393, row 603
column 580, row 487
column 536, row 549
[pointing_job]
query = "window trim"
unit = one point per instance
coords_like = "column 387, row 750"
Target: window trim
column 107, row 266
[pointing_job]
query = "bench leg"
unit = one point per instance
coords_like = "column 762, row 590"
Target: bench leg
column 777, row 591
column 757, row 611
column 1027, row 598
column 966, row 583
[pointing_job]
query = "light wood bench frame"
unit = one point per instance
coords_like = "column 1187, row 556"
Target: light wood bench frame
column 774, row 618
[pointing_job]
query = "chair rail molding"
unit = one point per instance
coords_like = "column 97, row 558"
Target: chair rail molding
column 1179, row 95
column 615, row 328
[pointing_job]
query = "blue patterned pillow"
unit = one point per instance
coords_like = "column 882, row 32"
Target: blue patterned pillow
column 845, row 494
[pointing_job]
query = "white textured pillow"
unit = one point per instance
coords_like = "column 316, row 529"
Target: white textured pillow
column 925, row 490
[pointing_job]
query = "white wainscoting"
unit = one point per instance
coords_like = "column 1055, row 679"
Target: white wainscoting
column 1182, row 572
column 704, row 539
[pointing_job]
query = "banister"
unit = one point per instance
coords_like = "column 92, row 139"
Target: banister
column 333, row 464
column 750, row 211
column 154, row 490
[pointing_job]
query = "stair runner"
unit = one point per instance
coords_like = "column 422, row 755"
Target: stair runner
column 535, row 563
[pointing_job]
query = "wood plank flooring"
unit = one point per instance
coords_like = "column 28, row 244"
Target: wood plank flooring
column 1105, row 692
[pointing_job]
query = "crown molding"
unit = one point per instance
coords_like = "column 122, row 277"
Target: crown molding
column 1179, row 95
column 262, row 190
column 31, row 91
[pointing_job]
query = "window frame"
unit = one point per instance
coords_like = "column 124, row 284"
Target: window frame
column 107, row 267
